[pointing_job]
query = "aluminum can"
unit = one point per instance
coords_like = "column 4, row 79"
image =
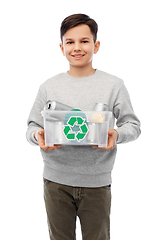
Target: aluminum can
column 100, row 107
column 55, row 105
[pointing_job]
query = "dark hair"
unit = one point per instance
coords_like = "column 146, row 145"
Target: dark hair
column 78, row 19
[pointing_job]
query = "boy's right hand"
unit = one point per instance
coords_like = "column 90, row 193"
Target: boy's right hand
column 39, row 136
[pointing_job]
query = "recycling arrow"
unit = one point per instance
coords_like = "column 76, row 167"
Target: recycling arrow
column 76, row 128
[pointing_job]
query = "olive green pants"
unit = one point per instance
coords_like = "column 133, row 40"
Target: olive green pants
column 64, row 203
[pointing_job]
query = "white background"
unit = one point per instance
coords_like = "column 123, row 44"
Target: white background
column 133, row 36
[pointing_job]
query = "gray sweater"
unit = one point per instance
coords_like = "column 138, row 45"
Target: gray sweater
column 83, row 166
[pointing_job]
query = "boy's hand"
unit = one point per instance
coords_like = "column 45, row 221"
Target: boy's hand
column 112, row 139
column 39, row 136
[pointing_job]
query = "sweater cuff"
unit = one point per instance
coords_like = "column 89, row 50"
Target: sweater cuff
column 121, row 135
column 30, row 135
column 33, row 138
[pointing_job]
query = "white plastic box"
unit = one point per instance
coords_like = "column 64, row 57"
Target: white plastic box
column 76, row 127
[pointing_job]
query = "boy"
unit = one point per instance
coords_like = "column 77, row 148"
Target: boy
column 77, row 179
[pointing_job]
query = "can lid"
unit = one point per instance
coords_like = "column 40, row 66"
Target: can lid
column 100, row 107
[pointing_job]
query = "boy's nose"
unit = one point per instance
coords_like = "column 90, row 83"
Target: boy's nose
column 77, row 47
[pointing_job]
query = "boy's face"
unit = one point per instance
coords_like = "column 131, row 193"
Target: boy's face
column 78, row 46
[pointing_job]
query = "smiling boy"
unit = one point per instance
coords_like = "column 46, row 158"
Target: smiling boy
column 78, row 46
column 77, row 179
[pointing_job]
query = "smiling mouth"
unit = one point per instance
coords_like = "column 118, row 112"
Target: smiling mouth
column 78, row 56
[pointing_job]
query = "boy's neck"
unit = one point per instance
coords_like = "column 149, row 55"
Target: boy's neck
column 81, row 72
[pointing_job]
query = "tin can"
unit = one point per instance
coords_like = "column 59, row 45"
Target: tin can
column 55, row 105
column 100, row 107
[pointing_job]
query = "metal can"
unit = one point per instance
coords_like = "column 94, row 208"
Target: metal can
column 100, row 107
column 55, row 105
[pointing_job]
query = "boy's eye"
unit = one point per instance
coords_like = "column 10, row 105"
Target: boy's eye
column 71, row 42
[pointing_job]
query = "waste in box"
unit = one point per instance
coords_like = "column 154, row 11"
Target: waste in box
column 76, row 127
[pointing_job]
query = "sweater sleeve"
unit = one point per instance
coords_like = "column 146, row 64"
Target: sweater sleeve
column 127, row 122
column 35, row 120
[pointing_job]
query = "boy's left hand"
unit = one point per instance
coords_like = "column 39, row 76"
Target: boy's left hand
column 112, row 139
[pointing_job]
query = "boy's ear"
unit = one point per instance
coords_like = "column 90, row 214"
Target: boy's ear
column 96, row 47
column 62, row 48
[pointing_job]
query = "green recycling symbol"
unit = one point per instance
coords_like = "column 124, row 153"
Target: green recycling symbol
column 76, row 128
